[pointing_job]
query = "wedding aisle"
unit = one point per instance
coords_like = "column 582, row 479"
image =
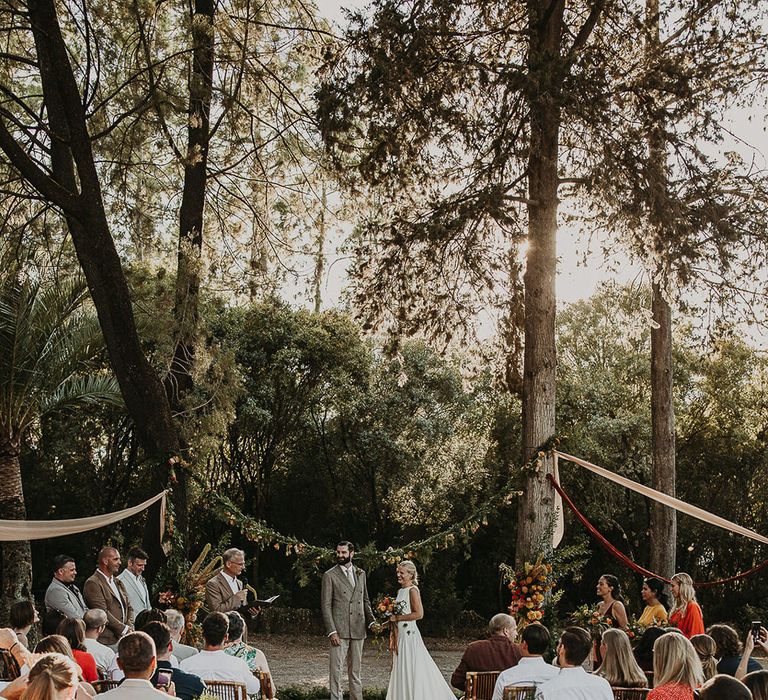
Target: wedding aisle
column 303, row 661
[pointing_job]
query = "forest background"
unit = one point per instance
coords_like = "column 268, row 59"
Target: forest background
column 224, row 189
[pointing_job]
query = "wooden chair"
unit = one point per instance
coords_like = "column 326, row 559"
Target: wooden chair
column 103, row 686
column 9, row 668
column 630, row 693
column 649, row 676
column 480, row 685
column 265, row 682
column 520, row 692
column 227, row 690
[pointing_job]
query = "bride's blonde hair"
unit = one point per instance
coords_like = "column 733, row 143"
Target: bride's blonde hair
column 410, row 567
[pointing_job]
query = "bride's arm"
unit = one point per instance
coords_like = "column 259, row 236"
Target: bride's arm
column 417, row 611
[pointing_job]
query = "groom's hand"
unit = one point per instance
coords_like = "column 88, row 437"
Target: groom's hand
column 335, row 640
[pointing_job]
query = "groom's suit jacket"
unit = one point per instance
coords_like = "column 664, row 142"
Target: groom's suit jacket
column 346, row 610
column 98, row 594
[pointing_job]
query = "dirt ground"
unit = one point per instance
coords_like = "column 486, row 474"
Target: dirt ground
column 303, row 661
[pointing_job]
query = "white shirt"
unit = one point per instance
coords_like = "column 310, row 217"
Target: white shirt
column 575, row 684
column 134, row 689
column 349, row 572
column 106, row 659
column 218, row 666
column 136, row 590
column 530, row 670
column 234, row 583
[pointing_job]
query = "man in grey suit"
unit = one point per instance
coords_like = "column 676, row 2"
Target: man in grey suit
column 346, row 614
column 134, row 582
column 62, row 594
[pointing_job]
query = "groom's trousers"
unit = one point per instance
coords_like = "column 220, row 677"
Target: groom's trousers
column 352, row 651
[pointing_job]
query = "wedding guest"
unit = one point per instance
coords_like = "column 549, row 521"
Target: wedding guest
column 729, row 650
column 177, row 624
column 106, row 659
column 724, row 687
column 236, row 647
column 73, row 630
column 134, row 582
column 150, row 615
column 103, row 590
column 686, row 613
column 187, row 685
column 62, row 593
column 749, row 645
column 619, row 667
column 137, row 658
column 56, row 644
column 655, row 611
column 676, row 669
column 52, row 677
column 612, row 603
column 706, row 649
column 644, row 650
column 531, row 669
column 51, row 621
column 757, row 682
column 23, row 615
column 497, row 652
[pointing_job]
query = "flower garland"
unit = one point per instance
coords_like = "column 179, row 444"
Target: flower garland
column 530, row 589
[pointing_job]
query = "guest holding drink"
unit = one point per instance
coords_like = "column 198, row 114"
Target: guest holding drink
column 686, row 613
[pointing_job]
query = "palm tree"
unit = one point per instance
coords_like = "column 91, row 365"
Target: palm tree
column 49, row 338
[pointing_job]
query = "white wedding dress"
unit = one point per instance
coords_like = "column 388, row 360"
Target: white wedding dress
column 415, row 676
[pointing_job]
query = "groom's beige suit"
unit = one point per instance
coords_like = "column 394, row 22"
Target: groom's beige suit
column 347, row 612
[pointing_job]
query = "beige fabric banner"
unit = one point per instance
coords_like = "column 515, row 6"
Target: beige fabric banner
column 16, row 530
column 667, row 500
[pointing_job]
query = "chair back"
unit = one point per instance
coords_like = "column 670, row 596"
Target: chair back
column 104, row 685
column 649, row 676
column 630, row 693
column 480, row 685
column 520, row 692
column 9, row 668
column 226, row 690
column 267, row 691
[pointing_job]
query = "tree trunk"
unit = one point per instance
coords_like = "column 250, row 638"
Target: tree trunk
column 663, row 519
column 142, row 390
column 535, row 515
column 17, row 556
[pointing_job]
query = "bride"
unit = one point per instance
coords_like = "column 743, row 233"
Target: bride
column 415, row 676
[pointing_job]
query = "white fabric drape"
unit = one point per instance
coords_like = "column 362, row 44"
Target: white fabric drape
column 667, row 500
column 16, row 530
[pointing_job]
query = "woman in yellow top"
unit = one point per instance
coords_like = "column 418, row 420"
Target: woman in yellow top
column 655, row 612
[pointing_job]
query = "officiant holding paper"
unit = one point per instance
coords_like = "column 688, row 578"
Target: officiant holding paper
column 225, row 591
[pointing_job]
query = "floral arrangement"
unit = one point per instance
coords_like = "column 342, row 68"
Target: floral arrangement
column 383, row 608
column 530, row 589
column 190, row 594
column 590, row 619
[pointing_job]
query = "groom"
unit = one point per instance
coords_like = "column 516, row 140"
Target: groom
column 346, row 613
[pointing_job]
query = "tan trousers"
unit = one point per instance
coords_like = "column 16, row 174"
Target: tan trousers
column 352, row 651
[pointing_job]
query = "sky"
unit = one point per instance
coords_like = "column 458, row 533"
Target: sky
column 581, row 266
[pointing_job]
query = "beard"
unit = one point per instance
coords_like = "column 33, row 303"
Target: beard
column 342, row 560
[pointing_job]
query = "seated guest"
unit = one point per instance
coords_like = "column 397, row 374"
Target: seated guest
column 757, row 682
column 729, row 650
column 676, row 668
column 749, row 645
column 106, row 659
column 722, row 687
column 10, row 642
column 150, row 615
column 52, row 677
column 497, row 652
column 136, row 658
column 251, row 655
column 51, row 621
column 57, row 644
column 644, row 649
column 531, row 669
column 573, row 682
column 706, row 649
column 212, row 663
column 177, row 624
column 23, row 615
column 73, row 630
column 619, row 667
column 187, row 685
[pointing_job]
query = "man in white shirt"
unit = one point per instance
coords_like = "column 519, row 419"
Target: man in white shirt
column 176, row 623
column 531, row 669
column 106, row 659
column 572, row 682
column 137, row 658
column 133, row 580
column 212, row 663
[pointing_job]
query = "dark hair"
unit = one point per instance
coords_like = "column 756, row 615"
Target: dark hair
column 73, row 630
column 536, row 637
column 236, row 625
column 22, row 614
column 51, row 621
column 727, row 640
column 137, row 553
column 147, row 616
column 347, row 544
column 54, row 644
column 577, row 644
column 135, row 651
column 613, row 582
column 215, row 627
column 644, row 649
column 657, row 588
column 60, row 561
column 161, row 635
column 757, row 682
column 723, row 687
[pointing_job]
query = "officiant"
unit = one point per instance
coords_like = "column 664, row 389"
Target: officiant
column 225, row 591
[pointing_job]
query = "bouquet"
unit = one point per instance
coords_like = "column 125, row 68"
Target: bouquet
column 383, row 608
column 530, row 588
column 590, row 619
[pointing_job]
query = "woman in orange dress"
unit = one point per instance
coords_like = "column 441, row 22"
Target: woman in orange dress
column 686, row 613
